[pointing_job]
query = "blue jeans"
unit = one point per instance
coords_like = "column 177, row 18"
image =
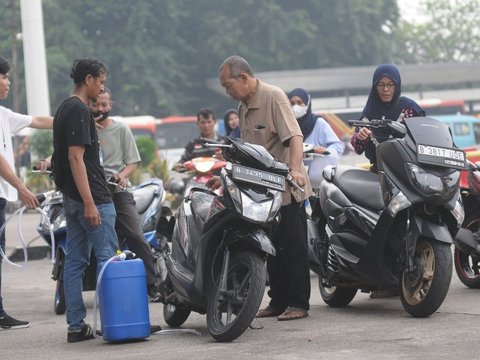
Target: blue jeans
column 3, row 203
column 81, row 237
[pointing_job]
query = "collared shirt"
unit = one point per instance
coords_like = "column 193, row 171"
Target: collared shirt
column 268, row 120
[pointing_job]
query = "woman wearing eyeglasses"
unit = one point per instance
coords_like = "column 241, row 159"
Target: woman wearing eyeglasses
column 385, row 100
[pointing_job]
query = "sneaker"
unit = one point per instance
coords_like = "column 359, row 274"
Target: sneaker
column 7, row 322
column 85, row 333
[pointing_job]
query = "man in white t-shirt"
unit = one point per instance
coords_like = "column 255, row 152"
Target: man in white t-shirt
column 10, row 184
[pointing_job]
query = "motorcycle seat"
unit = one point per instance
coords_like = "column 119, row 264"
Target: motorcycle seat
column 143, row 197
column 201, row 202
column 362, row 187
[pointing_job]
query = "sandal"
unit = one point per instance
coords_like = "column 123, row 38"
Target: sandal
column 292, row 313
column 268, row 312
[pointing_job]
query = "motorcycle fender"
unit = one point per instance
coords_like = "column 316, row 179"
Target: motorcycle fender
column 431, row 230
column 465, row 241
column 259, row 240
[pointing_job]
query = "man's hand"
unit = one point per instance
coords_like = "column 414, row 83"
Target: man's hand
column 92, row 215
column 214, row 183
column 28, row 198
column 120, row 180
column 298, row 177
column 42, row 165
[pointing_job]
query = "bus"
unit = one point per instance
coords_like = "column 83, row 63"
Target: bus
column 172, row 134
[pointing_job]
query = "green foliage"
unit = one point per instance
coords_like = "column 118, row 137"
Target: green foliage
column 147, row 149
column 41, row 143
column 160, row 52
column 449, row 33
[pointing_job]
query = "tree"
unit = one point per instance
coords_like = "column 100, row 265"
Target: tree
column 449, row 33
column 160, row 52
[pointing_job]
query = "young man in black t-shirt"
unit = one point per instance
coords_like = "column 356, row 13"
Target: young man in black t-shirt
column 89, row 209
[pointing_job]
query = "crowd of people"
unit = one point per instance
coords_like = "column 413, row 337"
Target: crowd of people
column 90, row 146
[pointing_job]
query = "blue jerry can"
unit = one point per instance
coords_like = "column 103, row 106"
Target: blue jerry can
column 123, row 301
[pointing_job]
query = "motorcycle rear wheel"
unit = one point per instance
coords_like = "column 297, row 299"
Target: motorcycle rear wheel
column 336, row 296
column 229, row 314
column 467, row 266
column 175, row 315
column 424, row 289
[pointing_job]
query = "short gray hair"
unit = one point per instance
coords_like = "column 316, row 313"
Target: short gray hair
column 237, row 65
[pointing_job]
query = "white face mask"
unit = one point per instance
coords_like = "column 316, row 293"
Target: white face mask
column 299, row 110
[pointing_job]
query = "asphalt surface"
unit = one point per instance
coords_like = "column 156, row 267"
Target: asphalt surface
column 367, row 329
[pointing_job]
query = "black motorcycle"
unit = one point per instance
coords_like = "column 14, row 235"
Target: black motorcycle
column 220, row 243
column 467, row 248
column 392, row 229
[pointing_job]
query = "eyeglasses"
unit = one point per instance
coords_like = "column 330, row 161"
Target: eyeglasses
column 388, row 86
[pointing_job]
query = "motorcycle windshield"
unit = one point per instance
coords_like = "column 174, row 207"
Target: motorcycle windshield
column 428, row 131
column 257, row 156
column 433, row 143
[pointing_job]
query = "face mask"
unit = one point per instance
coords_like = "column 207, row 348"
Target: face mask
column 104, row 115
column 299, row 111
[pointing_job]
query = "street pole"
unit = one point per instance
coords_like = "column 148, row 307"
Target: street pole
column 36, row 79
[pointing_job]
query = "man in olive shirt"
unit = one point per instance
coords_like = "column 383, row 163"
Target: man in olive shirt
column 266, row 118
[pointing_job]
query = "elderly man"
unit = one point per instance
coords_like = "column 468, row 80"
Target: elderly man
column 266, row 118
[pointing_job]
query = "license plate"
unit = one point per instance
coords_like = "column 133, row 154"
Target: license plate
column 258, row 177
column 444, row 157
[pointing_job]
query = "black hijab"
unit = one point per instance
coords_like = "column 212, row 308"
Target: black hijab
column 307, row 122
column 376, row 108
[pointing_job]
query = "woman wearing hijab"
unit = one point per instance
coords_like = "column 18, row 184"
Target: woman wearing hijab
column 232, row 121
column 317, row 132
column 384, row 101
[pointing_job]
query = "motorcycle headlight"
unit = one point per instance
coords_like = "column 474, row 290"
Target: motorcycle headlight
column 59, row 222
column 398, row 203
column 234, row 192
column 429, row 183
column 256, row 211
column 459, row 213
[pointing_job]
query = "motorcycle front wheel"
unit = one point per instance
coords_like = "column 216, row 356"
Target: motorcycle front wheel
column 467, row 266
column 230, row 311
column 424, row 289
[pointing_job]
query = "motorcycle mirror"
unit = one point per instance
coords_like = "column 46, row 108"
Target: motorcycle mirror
column 397, row 130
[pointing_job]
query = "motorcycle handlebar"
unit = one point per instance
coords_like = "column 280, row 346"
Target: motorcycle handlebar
column 293, row 183
column 369, row 123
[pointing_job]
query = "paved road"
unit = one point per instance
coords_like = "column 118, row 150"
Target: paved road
column 367, row 329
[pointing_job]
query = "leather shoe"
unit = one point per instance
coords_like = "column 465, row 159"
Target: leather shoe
column 293, row 313
column 268, row 312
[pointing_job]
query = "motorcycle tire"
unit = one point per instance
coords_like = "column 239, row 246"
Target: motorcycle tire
column 59, row 305
column 175, row 315
column 336, row 296
column 229, row 314
column 423, row 290
column 467, row 266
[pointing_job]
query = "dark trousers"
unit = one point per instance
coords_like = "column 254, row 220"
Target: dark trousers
column 288, row 269
column 129, row 227
column 3, row 204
